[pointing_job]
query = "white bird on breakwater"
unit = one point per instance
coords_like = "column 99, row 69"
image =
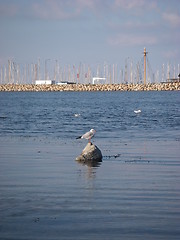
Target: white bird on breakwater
column 88, row 135
column 137, row 111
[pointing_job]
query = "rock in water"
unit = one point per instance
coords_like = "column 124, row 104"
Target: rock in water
column 91, row 153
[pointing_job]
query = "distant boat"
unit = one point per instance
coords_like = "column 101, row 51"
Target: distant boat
column 64, row 83
column 137, row 111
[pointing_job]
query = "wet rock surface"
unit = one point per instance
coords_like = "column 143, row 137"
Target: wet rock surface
column 90, row 154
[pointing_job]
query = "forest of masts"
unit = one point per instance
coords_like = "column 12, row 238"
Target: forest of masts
column 130, row 73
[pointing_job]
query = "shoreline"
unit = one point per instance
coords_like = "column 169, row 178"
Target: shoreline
column 172, row 86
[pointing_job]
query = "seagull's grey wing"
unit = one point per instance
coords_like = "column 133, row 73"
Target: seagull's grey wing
column 87, row 135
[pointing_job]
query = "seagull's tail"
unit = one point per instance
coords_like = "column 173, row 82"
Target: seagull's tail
column 78, row 137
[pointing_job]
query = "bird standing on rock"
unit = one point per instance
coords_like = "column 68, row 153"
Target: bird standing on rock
column 88, row 135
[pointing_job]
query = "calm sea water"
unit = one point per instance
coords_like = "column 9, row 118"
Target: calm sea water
column 133, row 194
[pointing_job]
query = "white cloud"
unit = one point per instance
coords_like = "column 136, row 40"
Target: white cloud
column 64, row 10
column 131, row 40
column 131, row 25
column 135, row 4
column 53, row 9
column 140, row 25
column 69, row 9
column 172, row 18
column 129, row 4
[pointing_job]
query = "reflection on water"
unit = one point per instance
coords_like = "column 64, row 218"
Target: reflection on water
column 90, row 168
column 89, row 172
column 90, row 164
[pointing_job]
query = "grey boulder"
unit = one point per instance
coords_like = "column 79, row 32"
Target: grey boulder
column 91, row 153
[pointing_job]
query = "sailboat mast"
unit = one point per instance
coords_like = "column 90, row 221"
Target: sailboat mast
column 145, row 53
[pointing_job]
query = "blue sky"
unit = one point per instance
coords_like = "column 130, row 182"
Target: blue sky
column 90, row 31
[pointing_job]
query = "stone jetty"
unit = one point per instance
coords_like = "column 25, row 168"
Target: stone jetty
column 170, row 86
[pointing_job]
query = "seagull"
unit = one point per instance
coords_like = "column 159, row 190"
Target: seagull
column 77, row 114
column 88, row 135
column 137, row 111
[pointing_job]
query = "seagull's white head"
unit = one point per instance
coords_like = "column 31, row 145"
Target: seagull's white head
column 92, row 131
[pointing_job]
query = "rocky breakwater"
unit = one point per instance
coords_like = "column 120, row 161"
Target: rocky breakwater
column 171, row 86
column 91, row 155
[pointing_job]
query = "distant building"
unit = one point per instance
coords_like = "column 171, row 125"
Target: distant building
column 48, row 82
column 98, row 80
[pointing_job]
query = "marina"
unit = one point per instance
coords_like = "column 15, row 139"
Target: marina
column 54, row 72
